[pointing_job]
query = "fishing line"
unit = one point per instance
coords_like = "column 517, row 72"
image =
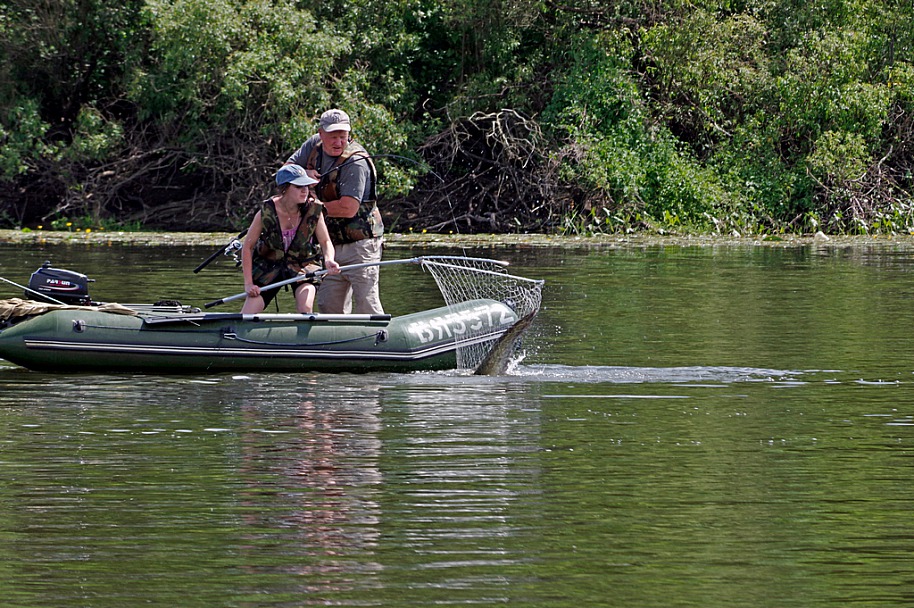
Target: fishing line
column 447, row 194
column 373, row 156
column 235, row 244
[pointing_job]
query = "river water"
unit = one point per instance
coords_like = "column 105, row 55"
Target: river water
column 690, row 426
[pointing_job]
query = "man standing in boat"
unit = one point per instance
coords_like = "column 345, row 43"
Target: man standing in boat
column 347, row 182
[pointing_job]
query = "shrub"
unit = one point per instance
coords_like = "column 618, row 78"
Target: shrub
column 615, row 151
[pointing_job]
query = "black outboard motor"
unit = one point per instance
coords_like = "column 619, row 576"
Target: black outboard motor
column 60, row 286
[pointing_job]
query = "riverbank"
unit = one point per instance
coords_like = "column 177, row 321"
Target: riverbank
column 474, row 241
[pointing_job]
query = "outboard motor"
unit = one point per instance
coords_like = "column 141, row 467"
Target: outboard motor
column 59, row 285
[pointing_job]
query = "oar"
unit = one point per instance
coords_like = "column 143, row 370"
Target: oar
column 311, row 275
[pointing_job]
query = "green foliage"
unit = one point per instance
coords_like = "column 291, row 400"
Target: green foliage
column 230, row 66
column 724, row 115
column 839, row 156
column 432, row 58
column 818, row 120
column 704, row 70
column 615, row 147
column 64, row 53
column 377, row 128
column 95, row 137
column 824, row 88
column 22, row 134
column 752, row 165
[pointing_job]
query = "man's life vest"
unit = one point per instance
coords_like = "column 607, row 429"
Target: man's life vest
column 367, row 222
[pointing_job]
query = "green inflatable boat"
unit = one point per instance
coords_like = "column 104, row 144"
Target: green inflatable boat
column 87, row 336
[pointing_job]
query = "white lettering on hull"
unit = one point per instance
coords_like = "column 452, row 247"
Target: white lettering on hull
column 457, row 324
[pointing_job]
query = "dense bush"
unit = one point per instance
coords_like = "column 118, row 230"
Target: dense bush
column 743, row 116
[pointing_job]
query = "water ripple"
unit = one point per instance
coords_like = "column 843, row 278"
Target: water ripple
column 613, row 374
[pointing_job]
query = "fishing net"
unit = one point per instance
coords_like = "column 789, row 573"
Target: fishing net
column 461, row 279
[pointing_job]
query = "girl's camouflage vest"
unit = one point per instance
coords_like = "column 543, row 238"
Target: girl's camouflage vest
column 367, row 222
column 272, row 263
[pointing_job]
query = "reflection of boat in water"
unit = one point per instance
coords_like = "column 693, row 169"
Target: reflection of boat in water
column 483, row 303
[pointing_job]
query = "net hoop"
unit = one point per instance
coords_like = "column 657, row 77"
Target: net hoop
column 460, row 279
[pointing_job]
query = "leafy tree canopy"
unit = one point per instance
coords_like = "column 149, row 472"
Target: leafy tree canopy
column 580, row 116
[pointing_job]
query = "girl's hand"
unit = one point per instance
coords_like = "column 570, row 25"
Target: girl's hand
column 332, row 267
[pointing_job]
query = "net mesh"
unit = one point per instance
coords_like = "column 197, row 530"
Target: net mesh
column 461, row 279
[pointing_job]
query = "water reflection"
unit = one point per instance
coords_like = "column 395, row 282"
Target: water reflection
column 311, row 485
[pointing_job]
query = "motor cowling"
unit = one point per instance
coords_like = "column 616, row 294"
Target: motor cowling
column 56, row 285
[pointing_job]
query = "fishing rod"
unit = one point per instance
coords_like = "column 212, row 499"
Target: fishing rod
column 29, row 289
column 230, row 249
column 310, row 275
column 318, row 273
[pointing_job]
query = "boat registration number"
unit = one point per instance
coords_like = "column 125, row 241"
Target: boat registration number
column 455, row 324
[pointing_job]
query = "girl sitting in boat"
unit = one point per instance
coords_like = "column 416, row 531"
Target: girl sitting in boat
column 287, row 237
